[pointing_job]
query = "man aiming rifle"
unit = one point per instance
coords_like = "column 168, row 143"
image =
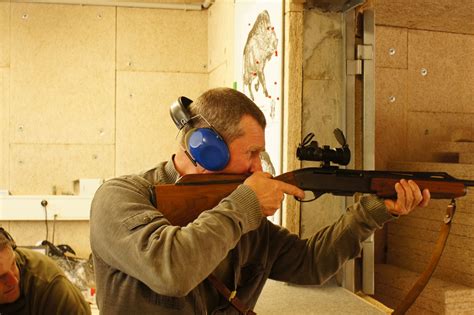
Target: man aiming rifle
column 219, row 262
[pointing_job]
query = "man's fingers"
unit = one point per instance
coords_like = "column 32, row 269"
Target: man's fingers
column 401, row 198
column 292, row 190
column 426, row 198
column 417, row 196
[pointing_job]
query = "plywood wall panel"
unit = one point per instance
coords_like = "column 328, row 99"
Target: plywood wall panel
column 62, row 73
column 4, row 138
column 391, row 47
column 36, row 168
column 146, row 135
column 390, row 115
column 455, row 16
column 426, row 128
column 449, row 77
column 4, row 34
column 161, row 40
column 221, row 35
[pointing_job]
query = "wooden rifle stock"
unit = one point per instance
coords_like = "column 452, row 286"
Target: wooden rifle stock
column 183, row 201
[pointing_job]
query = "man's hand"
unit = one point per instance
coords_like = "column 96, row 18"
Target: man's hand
column 270, row 192
column 409, row 197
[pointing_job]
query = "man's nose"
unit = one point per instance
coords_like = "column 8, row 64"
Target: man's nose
column 256, row 165
column 11, row 279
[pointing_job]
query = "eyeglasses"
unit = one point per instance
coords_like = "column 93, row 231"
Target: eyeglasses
column 8, row 237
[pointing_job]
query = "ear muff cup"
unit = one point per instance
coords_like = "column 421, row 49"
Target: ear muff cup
column 207, row 148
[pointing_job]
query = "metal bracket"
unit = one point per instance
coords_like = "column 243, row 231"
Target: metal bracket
column 365, row 52
column 354, row 67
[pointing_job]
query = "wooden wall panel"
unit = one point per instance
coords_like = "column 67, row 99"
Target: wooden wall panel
column 4, row 139
column 449, row 80
column 424, row 129
column 62, row 73
column 161, row 40
column 4, row 34
column 36, row 168
column 222, row 75
column 221, row 35
column 146, row 135
column 390, row 115
column 454, row 16
column 391, row 47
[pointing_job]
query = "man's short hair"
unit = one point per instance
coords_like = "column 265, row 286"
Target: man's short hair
column 6, row 240
column 223, row 108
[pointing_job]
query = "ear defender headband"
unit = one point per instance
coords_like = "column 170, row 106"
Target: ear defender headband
column 8, row 237
column 204, row 146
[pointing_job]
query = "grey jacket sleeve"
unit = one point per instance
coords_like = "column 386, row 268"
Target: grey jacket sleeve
column 314, row 260
column 131, row 235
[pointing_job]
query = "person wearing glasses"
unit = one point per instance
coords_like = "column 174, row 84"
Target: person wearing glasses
column 32, row 283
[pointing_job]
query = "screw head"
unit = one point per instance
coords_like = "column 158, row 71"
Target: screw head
column 391, row 51
column 392, row 98
column 424, row 72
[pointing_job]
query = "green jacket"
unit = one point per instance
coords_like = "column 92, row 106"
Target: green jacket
column 44, row 288
column 144, row 265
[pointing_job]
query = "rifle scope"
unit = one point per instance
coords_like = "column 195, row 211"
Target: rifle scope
column 310, row 150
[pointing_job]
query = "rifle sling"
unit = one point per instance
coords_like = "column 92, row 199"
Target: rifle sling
column 423, row 279
column 230, row 296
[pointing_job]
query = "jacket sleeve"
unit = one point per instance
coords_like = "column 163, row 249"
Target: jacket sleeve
column 129, row 234
column 314, row 260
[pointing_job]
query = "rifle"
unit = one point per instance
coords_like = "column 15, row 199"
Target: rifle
column 183, row 201
column 192, row 194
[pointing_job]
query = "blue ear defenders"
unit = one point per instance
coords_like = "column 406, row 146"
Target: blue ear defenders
column 203, row 145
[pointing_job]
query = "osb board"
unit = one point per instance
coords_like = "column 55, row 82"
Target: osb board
column 4, row 114
column 221, row 35
column 458, row 147
column 146, row 134
column 74, row 234
column 62, row 74
column 449, row 61
column 455, row 265
column 439, row 297
column 462, row 134
column 36, row 168
column 391, row 47
column 467, row 158
column 411, row 238
column 322, row 46
column 162, row 40
column 455, row 16
column 390, row 115
column 425, row 128
column 4, row 34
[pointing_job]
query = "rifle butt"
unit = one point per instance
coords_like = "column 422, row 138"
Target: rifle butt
column 182, row 204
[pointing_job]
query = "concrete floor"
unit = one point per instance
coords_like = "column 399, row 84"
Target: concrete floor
column 282, row 298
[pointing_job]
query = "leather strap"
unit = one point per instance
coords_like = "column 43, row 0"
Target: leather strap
column 230, row 296
column 423, row 279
